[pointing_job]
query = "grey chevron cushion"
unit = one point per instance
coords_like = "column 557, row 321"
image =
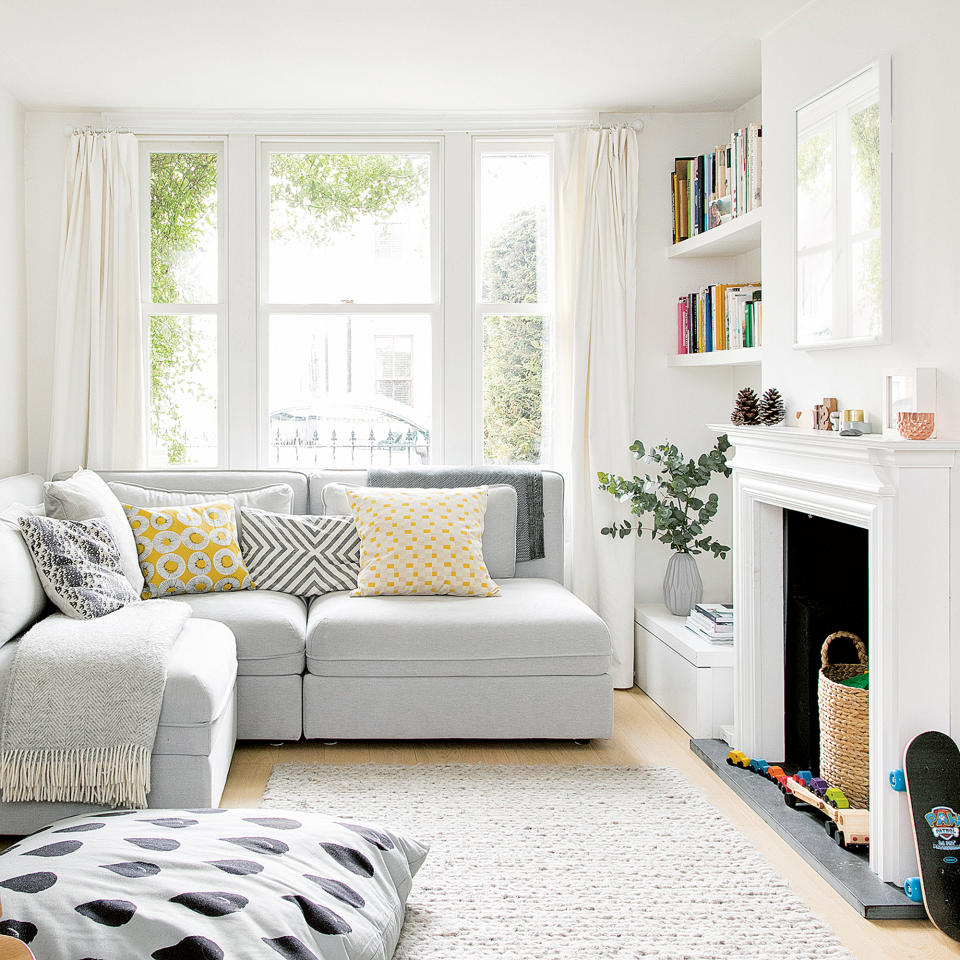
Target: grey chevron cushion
column 302, row 555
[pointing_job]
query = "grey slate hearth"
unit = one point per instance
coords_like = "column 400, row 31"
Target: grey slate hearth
column 847, row 871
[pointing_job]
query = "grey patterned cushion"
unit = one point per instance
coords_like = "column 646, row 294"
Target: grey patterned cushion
column 79, row 565
column 303, row 555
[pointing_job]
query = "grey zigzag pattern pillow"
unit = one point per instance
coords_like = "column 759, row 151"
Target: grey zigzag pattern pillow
column 78, row 562
column 302, row 555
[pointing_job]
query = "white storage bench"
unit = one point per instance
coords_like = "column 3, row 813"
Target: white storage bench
column 689, row 677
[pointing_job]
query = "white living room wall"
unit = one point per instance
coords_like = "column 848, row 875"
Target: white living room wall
column 13, row 317
column 676, row 404
column 818, row 47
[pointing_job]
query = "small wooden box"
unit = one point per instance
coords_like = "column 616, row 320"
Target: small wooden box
column 689, row 677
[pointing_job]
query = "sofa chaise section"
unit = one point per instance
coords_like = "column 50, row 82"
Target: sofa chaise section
column 195, row 738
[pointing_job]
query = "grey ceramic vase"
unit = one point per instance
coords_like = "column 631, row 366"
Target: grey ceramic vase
column 682, row 586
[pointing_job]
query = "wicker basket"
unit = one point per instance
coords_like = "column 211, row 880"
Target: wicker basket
column 844, row 724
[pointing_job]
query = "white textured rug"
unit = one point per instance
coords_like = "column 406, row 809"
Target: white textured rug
column 567, row 863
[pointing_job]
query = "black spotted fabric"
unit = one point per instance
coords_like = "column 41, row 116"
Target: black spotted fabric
column 208, row 885
column 78, row 562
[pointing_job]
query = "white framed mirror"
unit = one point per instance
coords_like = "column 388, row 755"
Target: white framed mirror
column 842, row 214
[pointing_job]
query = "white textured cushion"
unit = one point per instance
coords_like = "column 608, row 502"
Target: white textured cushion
column 79, row 565
column 191, row 884
column 85, row 496
column 21, row 593
column 499, row 524
column 275, row 497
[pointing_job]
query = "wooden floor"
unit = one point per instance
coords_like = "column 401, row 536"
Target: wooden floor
column 644, row 735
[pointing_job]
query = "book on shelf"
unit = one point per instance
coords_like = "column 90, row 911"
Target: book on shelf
column 714, row 636
column 722, row 316
column 717, row 612
column 713, row 188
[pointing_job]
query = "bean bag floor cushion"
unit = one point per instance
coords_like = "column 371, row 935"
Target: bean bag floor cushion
column 208, row 885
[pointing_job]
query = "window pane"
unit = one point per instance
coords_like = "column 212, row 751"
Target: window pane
column 350, row 390
column 815, row 296
column 866, row 288
column 349, row 227
column 815, row 188
column 183, row 391
column 183, row 227
column 514, row 205
column 865, row 169
column 512, row 389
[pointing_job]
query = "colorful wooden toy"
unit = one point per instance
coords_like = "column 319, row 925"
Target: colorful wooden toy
column 737, row 759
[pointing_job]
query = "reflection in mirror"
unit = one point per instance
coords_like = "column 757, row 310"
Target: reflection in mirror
column 840, row 203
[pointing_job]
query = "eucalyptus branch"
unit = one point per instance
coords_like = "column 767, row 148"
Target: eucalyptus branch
column 668, row 494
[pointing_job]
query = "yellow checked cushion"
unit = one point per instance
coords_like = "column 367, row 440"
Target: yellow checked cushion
column 421, row 542
column 191, row 548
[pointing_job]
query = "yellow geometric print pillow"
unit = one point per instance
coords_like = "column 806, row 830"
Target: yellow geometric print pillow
column 188, row 549
column 421, row 542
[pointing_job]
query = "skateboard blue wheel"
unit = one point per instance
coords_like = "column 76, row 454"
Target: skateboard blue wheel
column 911, row 888
column 897, row 781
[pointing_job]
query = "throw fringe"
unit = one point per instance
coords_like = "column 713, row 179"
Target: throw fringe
column 116, row 776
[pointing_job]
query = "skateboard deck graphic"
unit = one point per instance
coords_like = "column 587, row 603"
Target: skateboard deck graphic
column 931, row 765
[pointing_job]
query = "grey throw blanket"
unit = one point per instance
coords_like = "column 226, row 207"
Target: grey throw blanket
column 83, row 705
column 527, row 481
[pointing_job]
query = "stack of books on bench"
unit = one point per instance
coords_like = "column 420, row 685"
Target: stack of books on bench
column 712, row 621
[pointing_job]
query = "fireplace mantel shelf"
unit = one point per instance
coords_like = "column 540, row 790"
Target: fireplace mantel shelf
column 830, row 442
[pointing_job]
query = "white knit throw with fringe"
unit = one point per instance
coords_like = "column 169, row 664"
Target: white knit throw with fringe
column 83, row 703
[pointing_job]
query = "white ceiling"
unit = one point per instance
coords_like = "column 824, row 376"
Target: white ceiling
column 426, row 55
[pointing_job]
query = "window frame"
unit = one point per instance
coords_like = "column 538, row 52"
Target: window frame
column 832, row 110
column 434, row 308
column 455, row 310
column 545, row 309
column 220, row 309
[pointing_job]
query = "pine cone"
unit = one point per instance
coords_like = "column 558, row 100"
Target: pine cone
column 771, row 409
column 745, row 411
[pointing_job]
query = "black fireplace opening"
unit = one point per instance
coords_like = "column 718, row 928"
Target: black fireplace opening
column 825, row 589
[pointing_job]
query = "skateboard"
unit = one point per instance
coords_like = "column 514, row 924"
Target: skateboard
column 931, row 775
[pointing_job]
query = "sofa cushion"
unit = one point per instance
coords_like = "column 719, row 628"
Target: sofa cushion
column 192, row 548
column 85, row 496
column 499, row 523
column 534, row 628
column 79, row 565
column 201, row 674
column 269, row 628
column 275, row 497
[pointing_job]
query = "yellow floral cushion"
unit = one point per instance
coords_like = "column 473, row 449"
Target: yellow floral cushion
column 188, row 549
column 421, row 542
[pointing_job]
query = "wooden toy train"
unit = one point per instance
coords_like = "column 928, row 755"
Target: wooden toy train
column 848, row 826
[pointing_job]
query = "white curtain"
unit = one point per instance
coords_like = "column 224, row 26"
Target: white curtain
column 99, row 389
column 594, row 364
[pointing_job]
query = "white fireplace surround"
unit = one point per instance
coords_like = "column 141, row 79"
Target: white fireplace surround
column 901, row 492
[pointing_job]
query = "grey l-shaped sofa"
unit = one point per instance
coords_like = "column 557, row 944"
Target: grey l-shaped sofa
column 259, row 665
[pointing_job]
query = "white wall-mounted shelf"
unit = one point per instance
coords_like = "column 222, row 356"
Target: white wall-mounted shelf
column 717, row 358
column 736, row 236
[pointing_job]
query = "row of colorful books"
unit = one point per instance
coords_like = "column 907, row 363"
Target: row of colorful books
column 715, row 187
column 712, row 621
column 723, row 316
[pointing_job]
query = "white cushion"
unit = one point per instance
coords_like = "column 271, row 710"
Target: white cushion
column 499, row 524
column 85, row 496
column 210, row 883
column 21, row 593
column 275, row 497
